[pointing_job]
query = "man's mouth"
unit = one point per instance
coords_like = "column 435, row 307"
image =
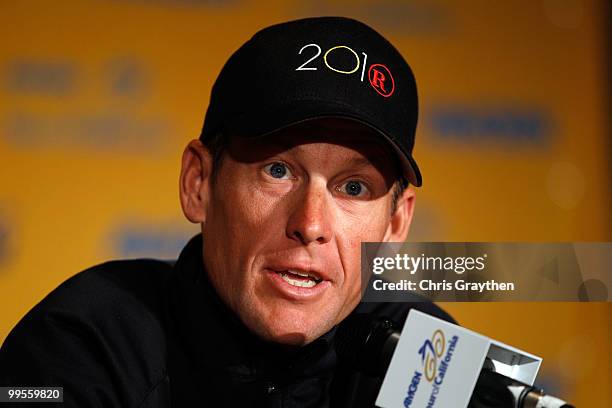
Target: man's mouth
column 300, row 279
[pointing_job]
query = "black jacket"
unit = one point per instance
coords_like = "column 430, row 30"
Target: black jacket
column 149, row 333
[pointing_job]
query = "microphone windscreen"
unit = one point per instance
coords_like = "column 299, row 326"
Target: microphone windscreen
column 360, row 341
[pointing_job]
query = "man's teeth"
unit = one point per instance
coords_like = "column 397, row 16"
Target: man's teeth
column 300, row 273
column 309, row 283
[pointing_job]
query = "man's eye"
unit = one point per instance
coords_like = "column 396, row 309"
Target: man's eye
column 278, row 170
column 354, row 188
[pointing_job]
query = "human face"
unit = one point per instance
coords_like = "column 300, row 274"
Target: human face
column 297, row 202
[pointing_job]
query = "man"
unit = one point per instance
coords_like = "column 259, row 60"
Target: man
column 305, row 153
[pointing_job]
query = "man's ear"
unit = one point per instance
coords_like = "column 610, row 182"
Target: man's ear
column 400, row 221
column 194, row 182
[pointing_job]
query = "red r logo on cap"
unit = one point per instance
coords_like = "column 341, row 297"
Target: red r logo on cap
column 381, row 79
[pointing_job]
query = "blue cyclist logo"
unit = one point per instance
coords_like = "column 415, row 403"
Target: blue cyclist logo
column 430, row 352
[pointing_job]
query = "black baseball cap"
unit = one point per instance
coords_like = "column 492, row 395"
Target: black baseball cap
column 316, row 68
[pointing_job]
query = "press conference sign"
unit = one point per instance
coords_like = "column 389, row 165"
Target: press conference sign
column 438, row 363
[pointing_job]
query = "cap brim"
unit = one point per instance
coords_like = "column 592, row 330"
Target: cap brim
column 259, row 123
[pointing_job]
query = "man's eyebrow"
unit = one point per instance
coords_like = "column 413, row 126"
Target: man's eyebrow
column 361, row 162
column 378, row 154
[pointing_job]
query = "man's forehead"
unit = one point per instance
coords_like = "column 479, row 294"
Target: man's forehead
column 368, row 146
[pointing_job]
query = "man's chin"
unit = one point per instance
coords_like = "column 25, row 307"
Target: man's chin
column 291, row 339
column 282, row 321
column 291, row 332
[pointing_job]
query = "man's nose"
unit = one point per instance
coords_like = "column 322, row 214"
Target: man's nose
column 311, row 217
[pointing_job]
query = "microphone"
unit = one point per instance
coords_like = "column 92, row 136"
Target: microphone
column 368, row 343
column 488, row 388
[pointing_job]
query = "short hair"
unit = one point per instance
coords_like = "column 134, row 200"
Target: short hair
column 400, row 185
column 217, row 144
